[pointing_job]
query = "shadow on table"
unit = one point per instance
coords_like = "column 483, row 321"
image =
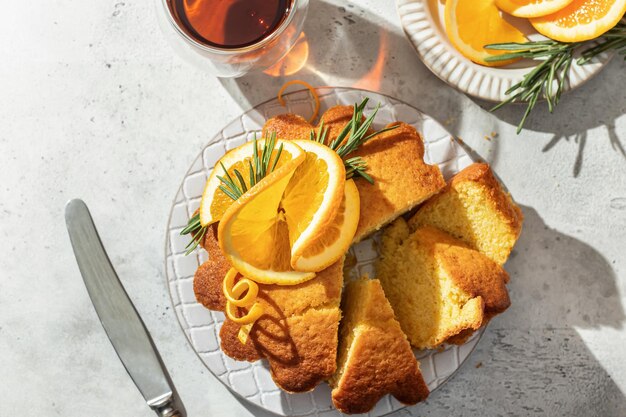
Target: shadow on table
column 532, row 360
column 588, row 107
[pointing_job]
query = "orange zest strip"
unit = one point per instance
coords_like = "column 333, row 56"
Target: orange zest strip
column 244, row 331
column 281, row 100
column 232, row 292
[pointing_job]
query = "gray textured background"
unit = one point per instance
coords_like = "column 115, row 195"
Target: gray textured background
column 95, row 104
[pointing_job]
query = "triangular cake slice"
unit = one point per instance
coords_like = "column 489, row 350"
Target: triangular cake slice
column 474, row 208
column 375, row 357
column 440, row 289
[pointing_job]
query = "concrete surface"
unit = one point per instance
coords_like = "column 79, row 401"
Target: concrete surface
column 95, row 104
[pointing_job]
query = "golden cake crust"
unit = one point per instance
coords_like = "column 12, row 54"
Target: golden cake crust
column 381, row 360
column 503, row 210
column 402, row 180
column 297, row 333
column 288, row 126
column 207, row 282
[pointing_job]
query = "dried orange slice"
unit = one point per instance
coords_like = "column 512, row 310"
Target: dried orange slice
column 581, row 20
column 531, row 8
column 472, row 24
column 214, row 201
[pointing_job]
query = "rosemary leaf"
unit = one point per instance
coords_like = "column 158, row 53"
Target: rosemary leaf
column 241, row 181
column 553, row 70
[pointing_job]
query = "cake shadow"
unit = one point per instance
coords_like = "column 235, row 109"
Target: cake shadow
column 558, row 280
column 532, row 359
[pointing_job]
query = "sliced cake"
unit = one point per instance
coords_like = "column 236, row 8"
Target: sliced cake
column 395, row 161
column 474, row 208
column 375, row 357
column 440, row 289
column 297, row 332
column 402, row 179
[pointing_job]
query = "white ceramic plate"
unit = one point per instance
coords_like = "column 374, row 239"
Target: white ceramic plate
column 252, row 381
column 423, row 22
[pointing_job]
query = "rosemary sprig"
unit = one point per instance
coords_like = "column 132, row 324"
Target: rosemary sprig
column 344, row 145
column 258, row 168
column 549, row 78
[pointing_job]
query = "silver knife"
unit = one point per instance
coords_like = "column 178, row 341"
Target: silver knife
column 118, row 316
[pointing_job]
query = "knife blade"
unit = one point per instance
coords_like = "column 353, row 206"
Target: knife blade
column 118, row 316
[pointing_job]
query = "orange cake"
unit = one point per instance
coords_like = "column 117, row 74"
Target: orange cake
column 375, row 357
column 402, row 180
column 297, row 332
column 440, row 289
column 474, row 208
column 395, row 161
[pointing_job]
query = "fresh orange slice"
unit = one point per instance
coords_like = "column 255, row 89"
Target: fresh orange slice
column 282, row 216
column 214, row 201
column 337, row 237
column 472, row 24
column 531, row 8
column 313, row 196
column 253, row 233
column 581, row 20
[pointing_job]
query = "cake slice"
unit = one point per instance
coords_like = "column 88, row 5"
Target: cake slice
column 440, row 289
column 474, row 208
column 298, row 330
column 402, row 179
column 375, row 357
column 395, row 161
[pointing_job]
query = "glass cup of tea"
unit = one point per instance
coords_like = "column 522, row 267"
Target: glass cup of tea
column 230, row 38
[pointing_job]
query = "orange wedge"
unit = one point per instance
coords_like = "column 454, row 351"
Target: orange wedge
column 472, row 24
column 581, row 20
column 214, row 201
column 531, row 8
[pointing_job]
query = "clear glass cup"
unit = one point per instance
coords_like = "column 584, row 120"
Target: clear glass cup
column 233, row 62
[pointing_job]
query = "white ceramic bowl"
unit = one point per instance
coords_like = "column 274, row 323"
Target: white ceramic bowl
column 423, row 23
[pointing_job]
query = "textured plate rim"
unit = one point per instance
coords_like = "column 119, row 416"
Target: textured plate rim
column 487, row 83
column 241, row 398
